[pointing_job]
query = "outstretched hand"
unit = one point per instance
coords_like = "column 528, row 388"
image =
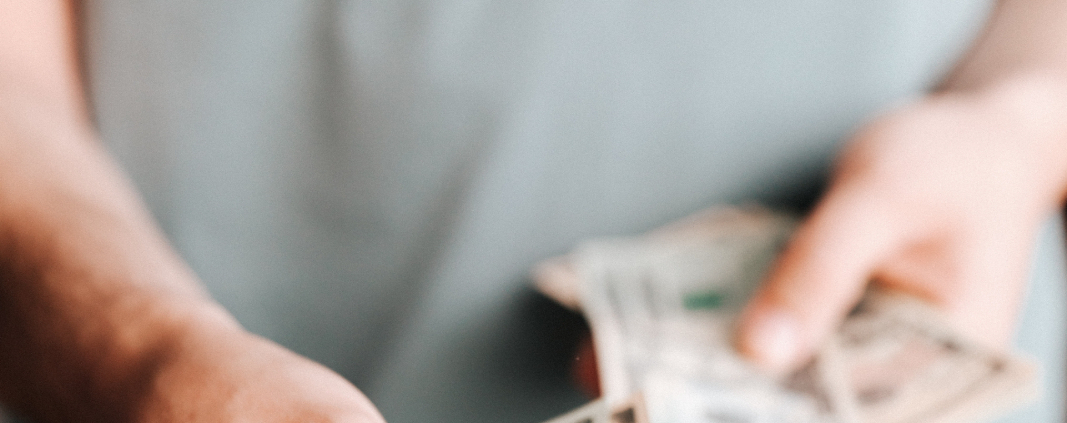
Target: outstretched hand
column 941, row 199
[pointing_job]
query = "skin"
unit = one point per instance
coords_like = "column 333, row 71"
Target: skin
column 942, row 198
column 101, row 320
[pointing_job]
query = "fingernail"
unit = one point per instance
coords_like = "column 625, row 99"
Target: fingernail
column 773, row 339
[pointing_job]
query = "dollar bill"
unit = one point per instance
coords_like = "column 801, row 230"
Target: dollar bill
column 663, row 310
column 594, row 412
column 630, row 411
column 663, row 307
column 902, row 363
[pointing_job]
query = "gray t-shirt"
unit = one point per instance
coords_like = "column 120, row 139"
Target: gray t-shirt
column 368, row 182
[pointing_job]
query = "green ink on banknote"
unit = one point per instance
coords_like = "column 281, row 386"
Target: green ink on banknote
column 707, row 300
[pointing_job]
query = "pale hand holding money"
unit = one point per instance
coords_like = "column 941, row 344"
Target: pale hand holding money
column 663, row 307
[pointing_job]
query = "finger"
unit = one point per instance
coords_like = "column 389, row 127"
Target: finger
column 817, row 279
column 976, row 281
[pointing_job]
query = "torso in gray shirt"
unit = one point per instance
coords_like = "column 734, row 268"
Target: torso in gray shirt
column 367, row 182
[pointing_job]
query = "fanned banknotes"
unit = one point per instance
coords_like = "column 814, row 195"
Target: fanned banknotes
column 663, row 307
column 630, row 411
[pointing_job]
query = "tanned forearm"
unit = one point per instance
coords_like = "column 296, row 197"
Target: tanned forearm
column 100, row 321
column 90, row 293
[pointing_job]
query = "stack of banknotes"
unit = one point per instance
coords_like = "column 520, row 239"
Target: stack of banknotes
column 663, row 307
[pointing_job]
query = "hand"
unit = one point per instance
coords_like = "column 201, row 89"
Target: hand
column 218, row 374
column 941, row 199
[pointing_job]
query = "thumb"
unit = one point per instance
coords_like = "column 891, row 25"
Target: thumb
column 817, row 279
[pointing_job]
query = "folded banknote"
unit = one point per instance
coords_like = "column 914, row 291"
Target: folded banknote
column 663, row 307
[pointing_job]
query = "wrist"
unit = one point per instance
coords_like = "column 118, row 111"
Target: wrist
column 92, row 299
column 99, row 362
column 1032, row 109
